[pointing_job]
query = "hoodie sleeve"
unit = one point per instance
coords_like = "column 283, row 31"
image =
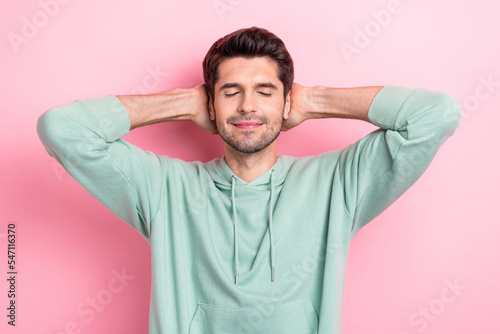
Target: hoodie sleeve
column 379, row 168
column 84, row 137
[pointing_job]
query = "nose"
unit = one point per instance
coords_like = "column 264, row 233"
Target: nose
column 247, row 104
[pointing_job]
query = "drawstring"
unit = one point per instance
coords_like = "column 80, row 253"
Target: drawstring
column 235, row 232
column 271, row 224
column 233, row 180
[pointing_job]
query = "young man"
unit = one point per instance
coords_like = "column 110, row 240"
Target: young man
column 250, row 242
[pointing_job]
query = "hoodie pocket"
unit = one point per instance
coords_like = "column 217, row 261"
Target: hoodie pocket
column 297, row 316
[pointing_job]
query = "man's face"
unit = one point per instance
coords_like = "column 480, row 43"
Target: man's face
column 248, row 104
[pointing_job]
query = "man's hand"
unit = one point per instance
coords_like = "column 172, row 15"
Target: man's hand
column 200, row 115
column 298, row 107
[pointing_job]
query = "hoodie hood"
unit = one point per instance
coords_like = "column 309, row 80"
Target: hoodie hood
column 269, row 183
column 222, row 174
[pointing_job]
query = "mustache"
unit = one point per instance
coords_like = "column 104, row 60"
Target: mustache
column 236, row 119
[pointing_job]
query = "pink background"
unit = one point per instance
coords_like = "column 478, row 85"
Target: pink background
column 444, row 229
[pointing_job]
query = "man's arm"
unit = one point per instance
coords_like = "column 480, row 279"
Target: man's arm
column 84, row 137
column 174, row 105
column 328, row 102
column 380, row 167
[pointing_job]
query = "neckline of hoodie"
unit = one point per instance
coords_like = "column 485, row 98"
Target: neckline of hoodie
column 262, row 180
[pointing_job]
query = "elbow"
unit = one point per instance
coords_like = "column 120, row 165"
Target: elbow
column 53, row 127
column 46, row 126
column 449, row 113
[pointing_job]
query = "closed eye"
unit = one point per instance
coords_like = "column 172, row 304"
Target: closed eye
column 233, row 94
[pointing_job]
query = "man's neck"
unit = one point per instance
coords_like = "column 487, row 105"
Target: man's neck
column 249, row 166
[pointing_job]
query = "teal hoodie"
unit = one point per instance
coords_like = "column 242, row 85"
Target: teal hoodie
column 267, row 256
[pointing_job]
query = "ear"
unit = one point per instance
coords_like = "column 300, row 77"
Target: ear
column 286, row 109
column 211, row 108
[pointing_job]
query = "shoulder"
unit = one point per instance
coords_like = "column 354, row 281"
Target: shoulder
column 318, row 164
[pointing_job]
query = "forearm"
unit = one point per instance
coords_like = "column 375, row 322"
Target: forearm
column 161, row 107
column 354, row 103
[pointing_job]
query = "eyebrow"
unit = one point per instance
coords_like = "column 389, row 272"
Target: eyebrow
column 258, row 85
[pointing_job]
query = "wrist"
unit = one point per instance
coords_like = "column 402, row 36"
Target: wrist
column 352, row 102
column 318, row 102
column 173, row 105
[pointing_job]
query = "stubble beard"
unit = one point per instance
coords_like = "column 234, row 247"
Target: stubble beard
column 249, row 144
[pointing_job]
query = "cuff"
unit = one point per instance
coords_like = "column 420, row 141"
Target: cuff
column 386, row 105
column 111, row 115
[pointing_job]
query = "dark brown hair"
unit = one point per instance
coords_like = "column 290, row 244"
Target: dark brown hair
column 248, row 43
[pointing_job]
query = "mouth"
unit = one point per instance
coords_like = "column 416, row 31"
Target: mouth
column 247, row 125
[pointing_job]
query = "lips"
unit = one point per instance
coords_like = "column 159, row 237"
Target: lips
column 247, row 125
